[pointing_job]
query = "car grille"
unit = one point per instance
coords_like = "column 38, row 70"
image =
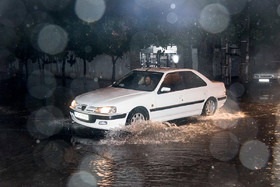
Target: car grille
column 87, row 108
column 266, row 76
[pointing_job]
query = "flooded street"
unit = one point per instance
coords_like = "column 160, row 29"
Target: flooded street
column 67, row 65
column 224, row 150
column 238, row 146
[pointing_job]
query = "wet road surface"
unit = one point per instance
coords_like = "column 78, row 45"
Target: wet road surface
column 238, row 146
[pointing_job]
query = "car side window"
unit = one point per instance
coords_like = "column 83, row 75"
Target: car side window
column 191, row 80
column 173, row 81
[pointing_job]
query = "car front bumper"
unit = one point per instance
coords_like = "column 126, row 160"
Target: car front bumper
column 104, row 122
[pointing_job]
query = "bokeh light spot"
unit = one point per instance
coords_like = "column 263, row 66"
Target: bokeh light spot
column 214, row 18
column 224, row 146
column 254, row 155
column 45, row 122
column 172, row 18
column 41, row 84
column 172, row 6
column 82, row 178
column 52, row 39
column 90, row 10
column 237, row 89
column 12, row 12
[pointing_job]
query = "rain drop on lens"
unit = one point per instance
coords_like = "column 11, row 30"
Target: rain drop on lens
column 214, row 18
column 224, row 146
column 172, row 18
column 254, row 155
column 90, row 10
column 82, row 178
column 41, row 84
column 52, row 39
column 12, row 12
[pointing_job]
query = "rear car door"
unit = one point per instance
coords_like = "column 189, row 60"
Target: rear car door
column 195, row 93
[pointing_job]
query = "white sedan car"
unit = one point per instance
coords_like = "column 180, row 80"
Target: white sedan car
column 157, row 94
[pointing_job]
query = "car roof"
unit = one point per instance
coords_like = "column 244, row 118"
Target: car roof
column 163, row 69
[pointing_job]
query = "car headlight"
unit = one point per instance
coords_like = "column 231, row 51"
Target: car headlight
column 106, row 110
column 73, row 104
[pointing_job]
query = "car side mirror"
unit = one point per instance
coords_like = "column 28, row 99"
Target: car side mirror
column 165, row 89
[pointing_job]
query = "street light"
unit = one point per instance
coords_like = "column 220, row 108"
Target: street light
column 175, row 58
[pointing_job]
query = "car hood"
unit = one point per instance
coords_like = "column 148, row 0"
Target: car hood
column 107, row 96
column 266, row 73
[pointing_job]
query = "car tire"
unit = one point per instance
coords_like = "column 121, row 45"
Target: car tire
column 137, row 115
column 209, row 108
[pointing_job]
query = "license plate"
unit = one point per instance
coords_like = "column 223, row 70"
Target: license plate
column 81, row 116
column 263, row 80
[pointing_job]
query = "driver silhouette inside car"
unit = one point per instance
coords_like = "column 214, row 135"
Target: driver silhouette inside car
column 147, row 84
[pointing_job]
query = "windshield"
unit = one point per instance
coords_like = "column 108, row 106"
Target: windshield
column 268, row 67
column 139, row 80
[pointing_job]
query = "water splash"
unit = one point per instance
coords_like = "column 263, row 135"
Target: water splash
column 150, row 132
column 156, row 133
column 225, row 119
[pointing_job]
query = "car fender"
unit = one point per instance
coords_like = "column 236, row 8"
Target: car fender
column 139, row 101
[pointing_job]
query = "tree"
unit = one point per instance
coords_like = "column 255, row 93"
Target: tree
column 23, row 51
column 85, row 43
column 114, row 37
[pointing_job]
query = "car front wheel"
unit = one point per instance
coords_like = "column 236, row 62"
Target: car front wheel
column 136, row 116
column 209, row 107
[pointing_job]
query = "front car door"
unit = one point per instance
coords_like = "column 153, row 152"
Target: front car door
column 169, row 98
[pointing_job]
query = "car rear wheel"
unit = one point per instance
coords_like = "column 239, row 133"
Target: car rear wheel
column 209, row 107
column 136, row 116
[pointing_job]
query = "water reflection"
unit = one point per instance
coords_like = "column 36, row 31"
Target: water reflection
column 99, row 167
column 217, row 151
